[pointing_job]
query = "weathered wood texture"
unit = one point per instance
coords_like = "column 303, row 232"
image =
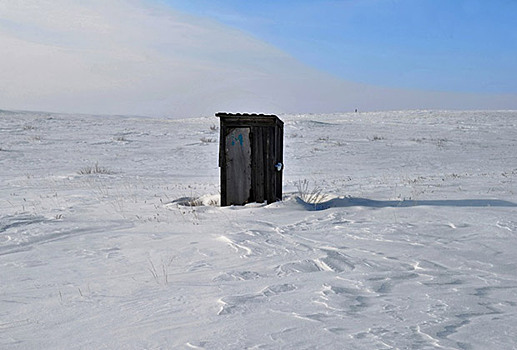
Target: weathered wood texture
column 238, row 165
column 260, row 181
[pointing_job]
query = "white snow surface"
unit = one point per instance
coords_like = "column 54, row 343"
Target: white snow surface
column 414, row 245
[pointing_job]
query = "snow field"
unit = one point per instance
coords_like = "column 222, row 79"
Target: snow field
column 412, row 247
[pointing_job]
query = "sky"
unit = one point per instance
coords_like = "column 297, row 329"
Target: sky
column 191, row 58
column 445, row 45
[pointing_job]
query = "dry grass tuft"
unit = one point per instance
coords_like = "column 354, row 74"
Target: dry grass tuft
column 94, row 169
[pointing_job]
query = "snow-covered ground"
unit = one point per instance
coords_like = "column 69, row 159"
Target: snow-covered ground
column 413, row 247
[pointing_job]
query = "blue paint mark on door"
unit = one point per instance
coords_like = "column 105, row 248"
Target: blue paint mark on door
column 239, row 139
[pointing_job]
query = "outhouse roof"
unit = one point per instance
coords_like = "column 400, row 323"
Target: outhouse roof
column 226, row 114
column 248, row 119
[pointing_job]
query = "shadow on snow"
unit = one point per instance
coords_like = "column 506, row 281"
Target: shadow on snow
column 370, row 203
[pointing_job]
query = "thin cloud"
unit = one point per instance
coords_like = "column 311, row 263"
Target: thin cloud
column 123, row 57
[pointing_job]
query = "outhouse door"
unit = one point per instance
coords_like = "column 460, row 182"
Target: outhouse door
column 238, row 165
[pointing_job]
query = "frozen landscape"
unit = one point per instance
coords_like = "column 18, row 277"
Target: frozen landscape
column 111, row 236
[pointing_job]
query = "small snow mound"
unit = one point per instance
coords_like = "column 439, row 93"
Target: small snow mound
column 206, row 200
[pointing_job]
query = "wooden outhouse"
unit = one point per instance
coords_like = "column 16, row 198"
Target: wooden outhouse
column 250, row 158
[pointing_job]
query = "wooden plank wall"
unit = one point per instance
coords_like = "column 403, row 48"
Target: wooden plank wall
column 258, row 165
column 279, row 159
